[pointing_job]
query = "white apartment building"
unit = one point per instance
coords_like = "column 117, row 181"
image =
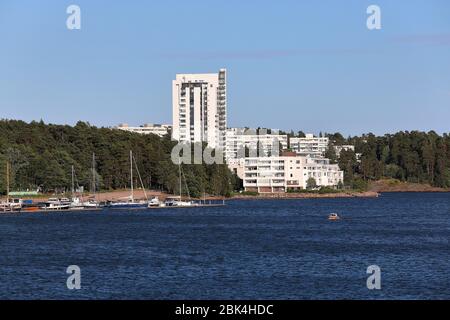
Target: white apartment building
column 289, row 171
column 237, row 167
column 339, row 149
column 238, row 139
column 309, row 145
column 200, row 108
column 149, row 128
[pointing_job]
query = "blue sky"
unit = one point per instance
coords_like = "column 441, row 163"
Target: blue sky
column 302, row 65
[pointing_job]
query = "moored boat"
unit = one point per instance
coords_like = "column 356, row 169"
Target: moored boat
column 154, row 202
column 127, row 205
column 11, row 205
column 131, row 203
column 177, row 202
column 55, row 204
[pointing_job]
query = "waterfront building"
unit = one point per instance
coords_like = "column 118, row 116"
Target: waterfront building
column 309, row 145
column 289, row 172
column 257, row 142
column 339, row 149
column 157, row 129
column 200, row 108
column 237, row 166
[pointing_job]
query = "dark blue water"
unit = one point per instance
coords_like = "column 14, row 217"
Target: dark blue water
column 246, row 250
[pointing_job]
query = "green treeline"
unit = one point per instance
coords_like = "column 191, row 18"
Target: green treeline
column 414, row 156
column 42, row 155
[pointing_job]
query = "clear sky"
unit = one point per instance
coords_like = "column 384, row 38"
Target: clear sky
column 302, row 65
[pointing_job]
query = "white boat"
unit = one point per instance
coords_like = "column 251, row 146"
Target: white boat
column 128, row 205
column 76, row 204
column 154, row 202
column 55, row 204
column 334, row 216
column 177, row 202
column 131, row 203
column 91, row 204
column 11, row 205
column 185, row 204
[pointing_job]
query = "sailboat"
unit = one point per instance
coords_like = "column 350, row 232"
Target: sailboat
column 178, row 201
column 10, row 205
column 78, row 202
column 92, row 203
column 75, row 202
column 131, row 203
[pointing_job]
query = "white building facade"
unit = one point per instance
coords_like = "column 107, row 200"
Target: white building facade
column 339, row 149
column 258, row 142
column 157, row 129
column 288, row 172
column 309, row 145
column 200, row 108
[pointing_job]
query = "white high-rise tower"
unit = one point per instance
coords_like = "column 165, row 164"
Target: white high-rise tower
column 200, row 108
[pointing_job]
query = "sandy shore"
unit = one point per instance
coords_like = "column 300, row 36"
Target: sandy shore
column 375, row 188
column 112, row 196
column 139, row 195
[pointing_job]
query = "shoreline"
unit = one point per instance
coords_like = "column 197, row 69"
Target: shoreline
column 294, row 196
column 392, row 185
column 139, row 194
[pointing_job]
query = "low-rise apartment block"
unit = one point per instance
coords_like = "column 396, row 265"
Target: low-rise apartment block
column 257, row 142
column 157, row 129
column 309, row 145
column 339, row 149
column 288, row 172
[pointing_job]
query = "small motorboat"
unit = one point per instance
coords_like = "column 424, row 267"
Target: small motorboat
column 11, row 205
column 154, row 202
column 54, row 204
column 333, row 217
column 177, row 202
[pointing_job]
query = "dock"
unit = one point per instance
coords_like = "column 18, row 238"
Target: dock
column 100, row 209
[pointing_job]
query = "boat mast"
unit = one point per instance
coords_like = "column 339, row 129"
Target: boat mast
column 140, row 178
column 179, row 174
column 73, row 182
column 131, row 176
column 93, row 174
column 7, row 181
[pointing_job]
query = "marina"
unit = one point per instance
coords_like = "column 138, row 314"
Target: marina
column 67, row 209
column 77, row 203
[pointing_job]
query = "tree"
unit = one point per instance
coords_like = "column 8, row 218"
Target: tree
column 331, row 153
column 311, row 183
